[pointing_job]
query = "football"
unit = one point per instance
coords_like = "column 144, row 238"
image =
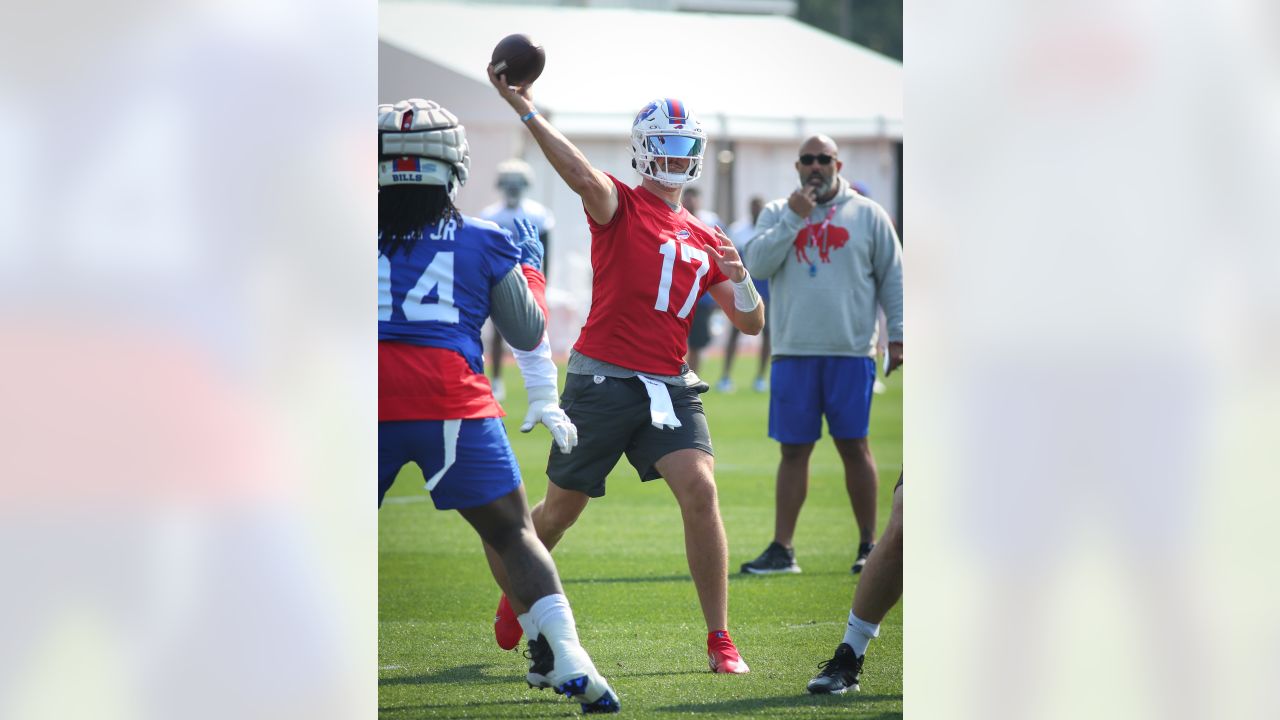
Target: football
column 517, row 57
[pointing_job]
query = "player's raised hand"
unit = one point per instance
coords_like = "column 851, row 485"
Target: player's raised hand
column 531, row 250
column 519, row 98
column 804, row 199
column 726, row 257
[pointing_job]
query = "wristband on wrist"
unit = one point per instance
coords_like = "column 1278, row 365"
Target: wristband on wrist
column 745, row 297
column 529, row 116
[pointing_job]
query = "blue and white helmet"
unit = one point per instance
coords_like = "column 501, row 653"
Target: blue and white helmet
column 667, row 129
column 428, row 143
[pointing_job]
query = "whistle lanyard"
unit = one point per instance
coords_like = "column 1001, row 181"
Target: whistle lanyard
column 814, row 228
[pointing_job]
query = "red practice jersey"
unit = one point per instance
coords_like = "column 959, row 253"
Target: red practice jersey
column 650, row 266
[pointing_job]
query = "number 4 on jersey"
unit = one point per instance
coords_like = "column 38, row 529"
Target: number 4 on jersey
column 438, row 274
column 687, row 254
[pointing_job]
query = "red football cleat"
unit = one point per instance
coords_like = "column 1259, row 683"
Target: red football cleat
column 723, row 656
column 506, row 628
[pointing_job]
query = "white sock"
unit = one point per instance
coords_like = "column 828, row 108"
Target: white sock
column 530, row 627
column 858, row 634
column 553, row 617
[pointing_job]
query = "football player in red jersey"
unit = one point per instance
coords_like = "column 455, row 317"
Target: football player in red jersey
column 628, row 389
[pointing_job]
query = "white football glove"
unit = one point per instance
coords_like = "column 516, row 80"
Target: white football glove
column 544, row 407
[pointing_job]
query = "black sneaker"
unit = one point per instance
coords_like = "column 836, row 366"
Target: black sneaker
column 863, row 551
column 774, row 559
column 838, row 674
column 541, row 661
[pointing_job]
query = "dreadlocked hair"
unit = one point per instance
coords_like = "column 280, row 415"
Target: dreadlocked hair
column 404, row 211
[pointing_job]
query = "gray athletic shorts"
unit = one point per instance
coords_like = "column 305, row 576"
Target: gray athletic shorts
column 613, row 418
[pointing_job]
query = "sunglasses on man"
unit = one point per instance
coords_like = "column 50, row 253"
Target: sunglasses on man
column 822, row 159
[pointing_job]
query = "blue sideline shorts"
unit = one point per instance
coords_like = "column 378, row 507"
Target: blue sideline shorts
column 803, row 389
column 480, row 465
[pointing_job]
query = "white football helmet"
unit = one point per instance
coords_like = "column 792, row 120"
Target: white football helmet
column 666, row 129
column 514, row 173
column 430, row 144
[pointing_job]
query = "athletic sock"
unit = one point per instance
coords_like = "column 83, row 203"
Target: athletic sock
column 858, row 634
column 529, row 626
column 554, row 619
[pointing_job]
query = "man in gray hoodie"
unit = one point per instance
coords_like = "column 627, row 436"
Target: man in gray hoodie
column 831, row 256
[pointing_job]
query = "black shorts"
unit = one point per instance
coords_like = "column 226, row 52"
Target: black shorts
column 613, row 418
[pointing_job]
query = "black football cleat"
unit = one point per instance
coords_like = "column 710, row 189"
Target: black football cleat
column 774, row 559
column 541, row 661
column 864, row 551
column 839, row 674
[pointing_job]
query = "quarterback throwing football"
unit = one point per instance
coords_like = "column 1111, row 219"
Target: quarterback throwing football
column 628, row 389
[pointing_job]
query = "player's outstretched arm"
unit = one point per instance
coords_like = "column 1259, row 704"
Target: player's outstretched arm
column 599, row 196
column 737, row 296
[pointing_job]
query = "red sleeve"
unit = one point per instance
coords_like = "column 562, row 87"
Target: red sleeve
column 537, row 284
column 624, row 202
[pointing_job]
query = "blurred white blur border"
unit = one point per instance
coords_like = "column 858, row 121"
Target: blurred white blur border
column 188, row 379
column 188, row 383
column 1092, row 311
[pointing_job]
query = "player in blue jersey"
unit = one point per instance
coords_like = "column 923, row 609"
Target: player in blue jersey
column 515, row 177
column 440, row 275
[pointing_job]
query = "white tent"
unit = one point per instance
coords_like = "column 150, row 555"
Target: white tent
column 761, row 84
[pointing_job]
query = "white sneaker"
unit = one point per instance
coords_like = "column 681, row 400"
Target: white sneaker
column 878, row 388
column 725, row 386
column 499, row 390
column 760, row 385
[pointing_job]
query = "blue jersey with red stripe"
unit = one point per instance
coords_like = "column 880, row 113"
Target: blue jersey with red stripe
column 437, row 294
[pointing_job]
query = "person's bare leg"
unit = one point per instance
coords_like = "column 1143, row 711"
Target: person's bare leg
column 691, row 476
column 790, row 491
column 861, row 482
column 506, row 526
column 766, row 349
column 881, row 585
column 507, row 530
column 551, row 517
column 730, row 349
column 498, row 350
column 879, row 589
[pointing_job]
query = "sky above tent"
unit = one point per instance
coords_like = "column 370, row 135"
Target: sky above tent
column 612, row 61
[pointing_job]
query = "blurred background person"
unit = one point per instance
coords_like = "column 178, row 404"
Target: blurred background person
column 741, row 233
column 515, row 177
column 700, row 328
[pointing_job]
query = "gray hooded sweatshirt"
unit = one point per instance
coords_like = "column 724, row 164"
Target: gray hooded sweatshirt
column 827, row 273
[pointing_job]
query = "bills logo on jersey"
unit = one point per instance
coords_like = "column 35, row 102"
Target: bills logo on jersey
column 682, row 234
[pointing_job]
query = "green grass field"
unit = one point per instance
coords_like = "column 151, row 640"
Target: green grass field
column 624, row 570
